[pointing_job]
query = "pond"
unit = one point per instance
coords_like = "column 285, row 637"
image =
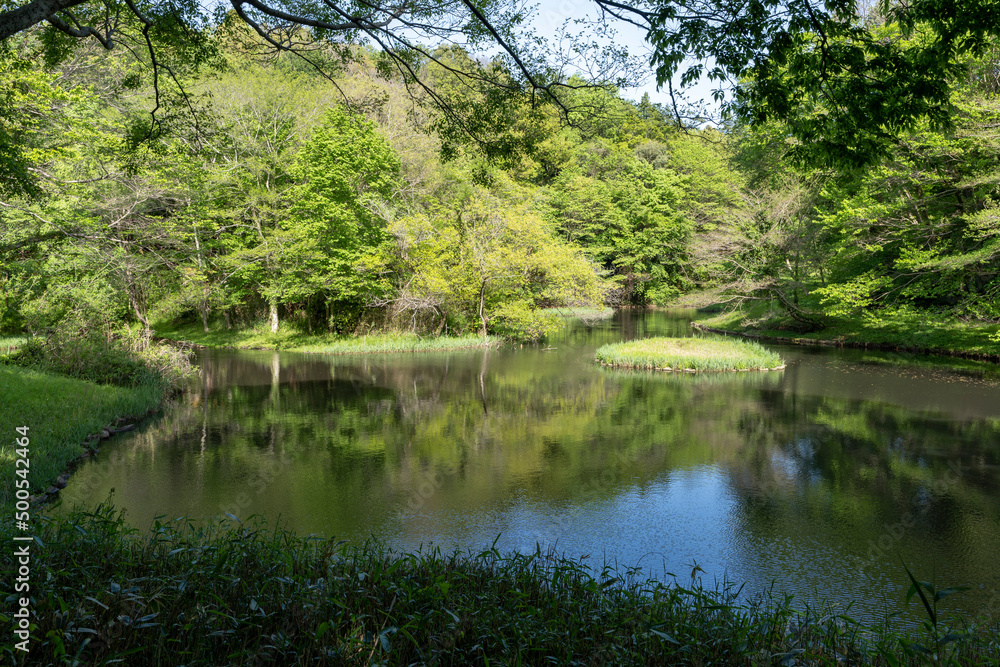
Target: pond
column 819, row 480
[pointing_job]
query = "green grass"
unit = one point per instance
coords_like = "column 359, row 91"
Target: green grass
column 586, row 314
column 59, row 413
column 293, row 340
column 905, row 329
column 689, row 354
column 245, row 593
column 11, row 343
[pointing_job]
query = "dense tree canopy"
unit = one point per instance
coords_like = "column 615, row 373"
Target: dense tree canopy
column 848, row 78
column 271, row 191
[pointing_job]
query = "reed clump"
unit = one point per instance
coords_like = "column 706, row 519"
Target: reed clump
column 689, row 354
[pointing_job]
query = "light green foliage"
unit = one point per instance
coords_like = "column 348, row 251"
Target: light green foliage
column 521, row 319
column 267, row 205
column 852, row 297
column 264, row 116
column 346, row 175
column 493, row 263
column 485, row 107
column 924, row 222
column 28, row 97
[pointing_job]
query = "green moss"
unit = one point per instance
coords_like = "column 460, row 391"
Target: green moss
column 689, row 354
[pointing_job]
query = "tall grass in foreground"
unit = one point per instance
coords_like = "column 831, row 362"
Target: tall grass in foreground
column 59, row 413
column 687, row 354
column 243, row 593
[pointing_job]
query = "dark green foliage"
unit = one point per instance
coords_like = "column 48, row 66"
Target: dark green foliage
column 629, row 216
column 846, row 80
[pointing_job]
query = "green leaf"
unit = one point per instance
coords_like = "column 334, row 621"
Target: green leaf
column 916, row 588
column 665, row 636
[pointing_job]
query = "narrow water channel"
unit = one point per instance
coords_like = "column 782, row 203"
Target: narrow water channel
column 817, row 480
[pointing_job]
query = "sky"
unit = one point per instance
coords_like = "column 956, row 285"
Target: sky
column 551, row 15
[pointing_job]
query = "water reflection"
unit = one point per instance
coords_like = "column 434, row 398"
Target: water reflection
column 814, row 478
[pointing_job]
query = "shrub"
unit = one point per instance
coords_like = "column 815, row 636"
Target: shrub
column 124, row 359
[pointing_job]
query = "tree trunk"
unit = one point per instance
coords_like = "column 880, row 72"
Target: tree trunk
column 274, row 316
column 482, row 300
column 204, row 288
column 133, row 299
column 796, row 313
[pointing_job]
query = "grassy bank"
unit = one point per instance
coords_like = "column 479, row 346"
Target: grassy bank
column 585, row 314
column 905, row 330
column 293, row 340
column 60, row 413
column 234, row 594
column 11, row 343
column 688, row 354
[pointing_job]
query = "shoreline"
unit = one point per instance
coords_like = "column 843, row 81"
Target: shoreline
column 67, row 421
column 119, row 424
column 185, row 344
column 326, row 344
column 405, row 607
column 851, row 344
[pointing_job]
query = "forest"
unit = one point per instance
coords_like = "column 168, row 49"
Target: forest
column 262, row 189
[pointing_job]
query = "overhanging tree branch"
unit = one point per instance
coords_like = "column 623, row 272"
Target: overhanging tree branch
column 23, row 17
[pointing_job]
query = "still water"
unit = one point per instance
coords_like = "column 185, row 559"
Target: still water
column 815, row 480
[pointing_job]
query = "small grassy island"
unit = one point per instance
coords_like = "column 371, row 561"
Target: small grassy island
column 689, row 354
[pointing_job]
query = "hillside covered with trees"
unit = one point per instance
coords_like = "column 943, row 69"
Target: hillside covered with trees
column 266, row 189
